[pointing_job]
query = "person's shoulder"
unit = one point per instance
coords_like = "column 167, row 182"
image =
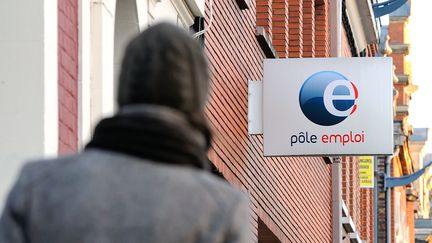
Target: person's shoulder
column 220, row 189
column 39, row 169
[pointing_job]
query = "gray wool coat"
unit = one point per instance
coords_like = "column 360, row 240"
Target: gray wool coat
column 101, row 196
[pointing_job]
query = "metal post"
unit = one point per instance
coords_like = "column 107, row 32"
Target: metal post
column 335, row 15
column 337, row 199
column 375, row 203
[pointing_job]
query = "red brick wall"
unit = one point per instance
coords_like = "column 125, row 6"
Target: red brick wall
column 264, row 15
column 397, row 36
column 396, row 32
column 308, row 28
column 292, row 196
column 402, row 98
column 410, row 220
column 295, row 20
column 351, row 188
column 321, row 34
column 398, row 62
column 68, row 75
column 280, row 27
column 366, row 215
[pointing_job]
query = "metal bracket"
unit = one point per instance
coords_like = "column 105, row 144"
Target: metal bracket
column 405, row 180
column 381, row 9
column 243, row 4
column 255, row 107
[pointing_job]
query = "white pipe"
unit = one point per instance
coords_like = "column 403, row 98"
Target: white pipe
column 388, row 201
column 335, row 15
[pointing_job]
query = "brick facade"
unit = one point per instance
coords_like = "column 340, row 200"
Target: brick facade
column 367, row 214
column 396, row 32
column 295, row 20
column 291, row 196
column 402, row 221
column 280, row 27
column 351, row 188
column 264, row 15
column 308, row 28
column 321, row 33
column 68, row 75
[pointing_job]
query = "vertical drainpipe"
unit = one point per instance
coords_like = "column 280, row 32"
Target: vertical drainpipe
column 388, row 195
column 337, row 199
column 375, row 202
column 388, row 200
column 335, row 15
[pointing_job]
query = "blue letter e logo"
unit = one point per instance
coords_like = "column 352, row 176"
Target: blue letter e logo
column 327, row 98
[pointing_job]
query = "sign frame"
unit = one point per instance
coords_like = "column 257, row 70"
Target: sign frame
column 289, row 132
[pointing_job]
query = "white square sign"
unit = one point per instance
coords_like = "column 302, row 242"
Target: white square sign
column 328, row 106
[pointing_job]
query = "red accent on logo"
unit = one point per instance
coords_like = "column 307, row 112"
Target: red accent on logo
column 354, row 109
column 355, row 91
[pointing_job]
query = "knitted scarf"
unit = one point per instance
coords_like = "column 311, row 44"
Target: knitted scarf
column 156, row 133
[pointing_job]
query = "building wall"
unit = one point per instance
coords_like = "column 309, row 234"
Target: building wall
column 351, row 189
column 28, row 85
column 68, row 76
column 402, row 225
column 366, row 214
column 396, row 32
column 321, row 25
column 399, row 207
column 420, row 185
column 410, row 220
column 292, row 196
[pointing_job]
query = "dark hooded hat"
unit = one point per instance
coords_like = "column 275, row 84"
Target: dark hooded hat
column 162, row 93
column 165, row 66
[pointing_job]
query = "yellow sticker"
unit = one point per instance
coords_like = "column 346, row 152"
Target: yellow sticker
column 366, row 170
